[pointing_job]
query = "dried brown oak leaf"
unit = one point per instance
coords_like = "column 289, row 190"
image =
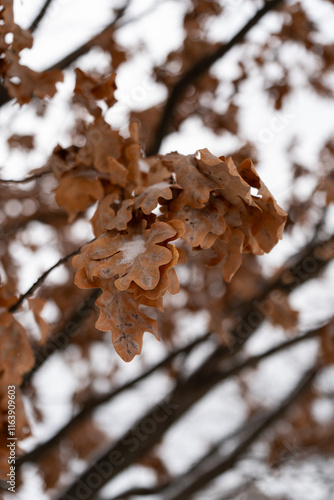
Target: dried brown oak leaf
column 266, row 224
column 75, row 194
column 120, row 314
column 89, row 89
column 228, row 249
column 202, row 226
column 21, row 38
column 16, row 356
column 168, row 280
column 101, row 144
column 280, row 311
column 31, row 83
column 111, row 214
column 199, row 177
column 135, row 256
column 149, row 196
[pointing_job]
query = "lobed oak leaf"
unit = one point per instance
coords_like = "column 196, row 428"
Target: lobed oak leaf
column 201, row 223
column 148, row 198
column 133, row 257
column 89, row 89
column 195, row 187
column 111, row 215
column 102, row 143
column 267, row 224
column 120, row 314
column 75, row 194
column 228, row 250
column 168, row 280
column 226, row 178
column 32, row 83
column 16, row 356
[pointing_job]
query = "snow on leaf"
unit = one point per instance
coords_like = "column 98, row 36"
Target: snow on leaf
column 132, row 257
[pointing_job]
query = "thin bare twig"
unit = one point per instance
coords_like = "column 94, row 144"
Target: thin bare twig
column 93, row 403
column 42, row 278
column 40, row 15
column 26, row 179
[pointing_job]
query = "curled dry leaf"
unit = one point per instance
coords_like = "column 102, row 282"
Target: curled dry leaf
column 111, row 214
column 134, row 257
column 16, row 356
column 202, row 226
column 149, row 196
column 120, row 314
column 205, row 200
column 228, row 250
column 31, row 83
column 75, row 194
column 266, row 224
column 89, row 89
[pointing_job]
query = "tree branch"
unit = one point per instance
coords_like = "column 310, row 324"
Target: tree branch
column 197, row 70
column 93, row 403
column 39, row 17
column 205, row 471
column 59, row 342
column 27, row 179
column 42, row 278
column 185, row 394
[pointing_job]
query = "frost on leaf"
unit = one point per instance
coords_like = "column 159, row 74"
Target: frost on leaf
column 133, row 257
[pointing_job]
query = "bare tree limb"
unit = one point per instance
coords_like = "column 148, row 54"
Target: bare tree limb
column 95, row 402
column 198, row 69
column 60, row 341
column 26, row 180
column 205, row 471
column 40, row 15
column 185, row 394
